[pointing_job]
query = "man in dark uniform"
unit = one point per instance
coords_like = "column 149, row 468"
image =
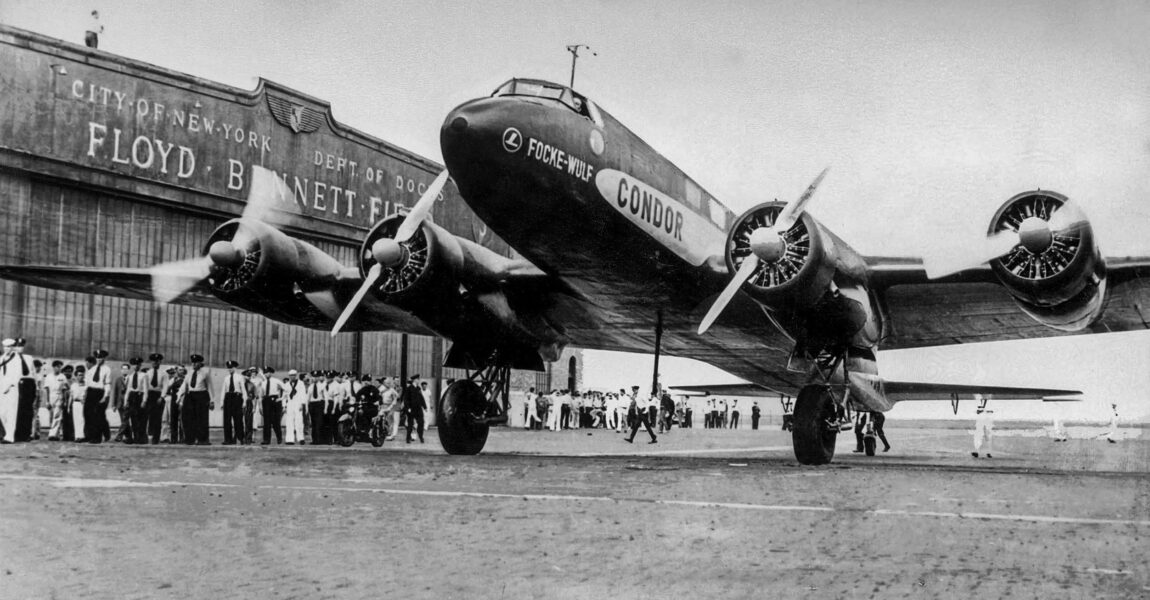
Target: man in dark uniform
column 413, row 404
column 99, row 382
column 26, row 393
column 878, row 419
column 155, row 382
column 860, row 426
column 369, row 398
column 270, row 391
column 316, row 409
column 134, row 393
column 234, row 392
column 755, row 413
column 197, row 402
column 176, row 377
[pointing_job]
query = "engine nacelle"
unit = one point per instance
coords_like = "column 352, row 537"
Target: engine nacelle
column 1056, row 274
column 263, row 270
column 805, row 268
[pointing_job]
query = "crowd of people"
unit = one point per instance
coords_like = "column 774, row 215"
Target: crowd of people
column 161, row 405
column 625, row 411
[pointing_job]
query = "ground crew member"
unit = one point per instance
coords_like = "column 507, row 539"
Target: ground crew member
column 196, row 400
column 296, row 408
column 154, row 402
column 235, row 392
column 56, row 392
column 983, row 429
column 1058, row 430
column 642, row 417
column 97, row 385
column 136, row 388
column 755, row 414
column 9, row 391
column 734, row 414
column 271, row 409
column 1113, row 433
column 25, row 393
column 120, row 405
column 860, row 426
column 316, row 408
column 877, row 418
column 413, row 405
column 78, row 390
column 174, row 422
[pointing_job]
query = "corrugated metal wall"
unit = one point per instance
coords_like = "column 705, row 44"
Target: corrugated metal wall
column 48, row 223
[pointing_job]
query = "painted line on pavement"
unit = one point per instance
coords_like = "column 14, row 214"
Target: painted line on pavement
column 108, row 483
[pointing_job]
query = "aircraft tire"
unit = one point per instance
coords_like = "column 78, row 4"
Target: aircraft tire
column 458, row 432
column 869, row 445
column 814, row 442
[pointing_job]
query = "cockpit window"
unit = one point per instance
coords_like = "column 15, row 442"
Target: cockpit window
column 543, row 89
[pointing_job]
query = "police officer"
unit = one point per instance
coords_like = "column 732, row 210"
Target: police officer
column 97, row 386
column 316, row 407
column 642, row 418
column 271, row 393
column 235, row 393
column 154, row 403
column 413, row 404
column 755, row 413
column 135, row 391
column 196, row 402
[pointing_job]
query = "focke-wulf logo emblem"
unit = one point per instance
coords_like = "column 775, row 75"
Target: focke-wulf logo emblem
column 300, row 119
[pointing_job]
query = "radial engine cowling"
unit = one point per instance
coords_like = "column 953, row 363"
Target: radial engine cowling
column 803, row 268
column 259, row 268
column 1056, row 273
column 425, row 266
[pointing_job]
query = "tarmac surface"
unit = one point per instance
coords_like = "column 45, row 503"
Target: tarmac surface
column 578, row 514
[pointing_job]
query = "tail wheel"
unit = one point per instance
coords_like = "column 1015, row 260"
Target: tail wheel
column 345, row 433
column 461, row 420
column 812, row 432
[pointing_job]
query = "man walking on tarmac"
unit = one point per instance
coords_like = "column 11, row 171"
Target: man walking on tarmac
column 413, row 404
column 983, row 428
column 642, row 418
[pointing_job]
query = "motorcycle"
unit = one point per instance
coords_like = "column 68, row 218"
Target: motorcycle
column 354, row 425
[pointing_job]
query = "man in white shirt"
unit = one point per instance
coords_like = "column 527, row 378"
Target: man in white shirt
column 391, row 405
column 9, row 391
column 155, row 402
column 294, row 399
column 235, row 393
column 983, row 428
column 55, row 392
column 1112, row 434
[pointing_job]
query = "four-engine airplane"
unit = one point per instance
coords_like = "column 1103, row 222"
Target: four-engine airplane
column 617, row 248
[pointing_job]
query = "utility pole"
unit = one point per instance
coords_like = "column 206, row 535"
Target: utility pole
column 574, row 50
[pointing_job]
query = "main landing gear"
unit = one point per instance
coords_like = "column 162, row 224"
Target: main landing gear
column 470, row 406
column 819, row 414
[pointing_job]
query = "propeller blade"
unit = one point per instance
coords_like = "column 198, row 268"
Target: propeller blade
column 421, row 209
column 989, row 249
column 745, row 271
column 1066, row 217
column 795, row 209
column 173, row 279
column 266, row 193
column 372, row 275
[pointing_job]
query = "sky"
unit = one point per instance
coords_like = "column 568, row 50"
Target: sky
column 929, row 113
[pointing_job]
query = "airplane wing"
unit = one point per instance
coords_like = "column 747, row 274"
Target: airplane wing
column 971, row 306
column 135, row 284
column 901, row 391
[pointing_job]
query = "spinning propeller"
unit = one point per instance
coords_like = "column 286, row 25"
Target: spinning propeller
column 392, row 253
column 1033, row 231
column 171, row 280
column 768, row 244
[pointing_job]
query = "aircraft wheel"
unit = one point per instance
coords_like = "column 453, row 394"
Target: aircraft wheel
column 462, row 402
column 813, row 439
column 869, row 445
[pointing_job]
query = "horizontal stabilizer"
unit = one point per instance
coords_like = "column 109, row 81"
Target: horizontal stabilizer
column 903, row 391
column 136, row 284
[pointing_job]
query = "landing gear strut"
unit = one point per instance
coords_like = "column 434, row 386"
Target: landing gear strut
column 470, row 406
